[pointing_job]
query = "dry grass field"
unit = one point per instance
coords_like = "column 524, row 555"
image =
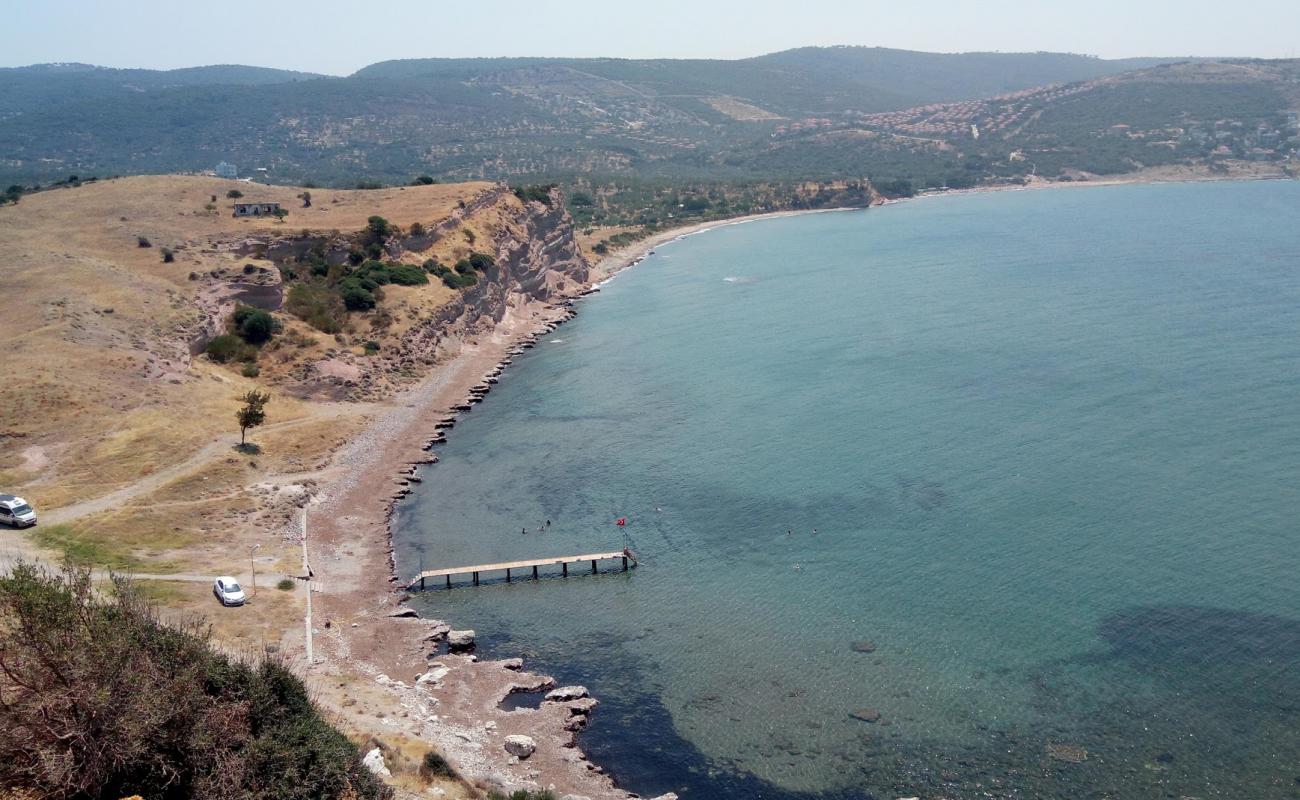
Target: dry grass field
column 121, row 437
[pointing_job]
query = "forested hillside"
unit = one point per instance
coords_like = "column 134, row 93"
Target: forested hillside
column 910, row 119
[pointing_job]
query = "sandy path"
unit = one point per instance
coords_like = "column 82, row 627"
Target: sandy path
column 154, row 481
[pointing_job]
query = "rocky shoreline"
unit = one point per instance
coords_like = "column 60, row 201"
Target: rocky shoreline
column 376, row 664
column 452, row 700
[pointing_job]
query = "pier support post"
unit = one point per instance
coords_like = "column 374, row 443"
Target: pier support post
column 625, row 563
column 565, row 567
column 534, row 572
column 507, row 575
column 448, row 581
column 593, row 566
column 476, row 579
column 422, row 584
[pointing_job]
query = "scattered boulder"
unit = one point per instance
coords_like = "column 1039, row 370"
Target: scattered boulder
column 864, row 646
column 583, row 706
column 520, row 746
column 402, row 613
column 460, row 640
column 374, row 761
column 436, row 673
column 866, row 715
column 566, row 693
column 513, row 664
column 438, row 632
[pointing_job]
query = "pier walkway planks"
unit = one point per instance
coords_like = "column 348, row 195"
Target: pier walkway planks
column 509, row 566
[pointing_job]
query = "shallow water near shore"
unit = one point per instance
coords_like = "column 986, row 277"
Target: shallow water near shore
column 1048, row 442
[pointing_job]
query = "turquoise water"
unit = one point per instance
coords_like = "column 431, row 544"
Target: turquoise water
column 1049, row 443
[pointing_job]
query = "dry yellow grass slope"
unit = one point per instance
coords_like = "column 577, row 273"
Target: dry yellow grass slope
column 101, row 389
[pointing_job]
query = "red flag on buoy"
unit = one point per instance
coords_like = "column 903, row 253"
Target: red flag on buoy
column 621, row 521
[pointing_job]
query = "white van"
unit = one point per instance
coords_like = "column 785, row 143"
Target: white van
column 16, row 512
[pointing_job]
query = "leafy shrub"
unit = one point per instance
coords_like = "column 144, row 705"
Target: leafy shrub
column 535, row 194
column 469, row 235
column 417, row 229
column 406, row 275
column 456, row 280
column 356, row 297
column 253, row 325
column 481, row 261
column 371, row 347
column 227, row 347
column 104, row 700
column 285, row 584
column 434, row 765
column 250, row 370
column 167, row 255
column 423, row 180
column 380, row 274
column 141, row 241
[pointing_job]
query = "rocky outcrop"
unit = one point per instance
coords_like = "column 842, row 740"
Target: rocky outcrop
column 536, row 260
column 374, row 761
column 520, row 746
column 460, row 640
column 566, row 693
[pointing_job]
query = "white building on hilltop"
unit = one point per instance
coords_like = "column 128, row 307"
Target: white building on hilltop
column 225, row 170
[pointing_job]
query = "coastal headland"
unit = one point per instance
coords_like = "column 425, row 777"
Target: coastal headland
column 124, row 435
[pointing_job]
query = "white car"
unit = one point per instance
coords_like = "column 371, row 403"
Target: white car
column 228, row 591
column 16, row 511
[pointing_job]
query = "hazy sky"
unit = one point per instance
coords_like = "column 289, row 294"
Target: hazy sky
column 339, row 36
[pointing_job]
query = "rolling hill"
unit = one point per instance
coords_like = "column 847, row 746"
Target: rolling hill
column 812, row 113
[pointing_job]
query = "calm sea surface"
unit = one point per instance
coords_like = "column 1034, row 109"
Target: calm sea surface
column 1049, row 443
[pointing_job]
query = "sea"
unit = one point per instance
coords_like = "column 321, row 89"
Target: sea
column 986, row 495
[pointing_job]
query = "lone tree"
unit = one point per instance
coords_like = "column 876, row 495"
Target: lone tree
column 280, row 214
column 253, row 412
column 305, row 197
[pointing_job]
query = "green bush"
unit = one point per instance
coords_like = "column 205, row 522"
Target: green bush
column 253, row 325
column 355, row 295
column 227, row 347
column 141, row 241
column 455, row 280
column 250, row 370
column 167, row 255
column 481, row 261
column 538, row 194
column 285, row 584
column 434, row 765
column 101, row 699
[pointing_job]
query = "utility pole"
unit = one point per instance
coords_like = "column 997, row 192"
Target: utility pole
column 253, row 566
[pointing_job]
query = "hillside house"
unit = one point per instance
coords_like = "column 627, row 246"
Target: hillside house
column 256, row 209
column 225, row 170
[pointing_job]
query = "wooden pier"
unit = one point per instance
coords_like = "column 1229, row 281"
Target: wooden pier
column 509, row 567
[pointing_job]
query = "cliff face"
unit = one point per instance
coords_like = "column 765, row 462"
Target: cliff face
column 537, row 261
